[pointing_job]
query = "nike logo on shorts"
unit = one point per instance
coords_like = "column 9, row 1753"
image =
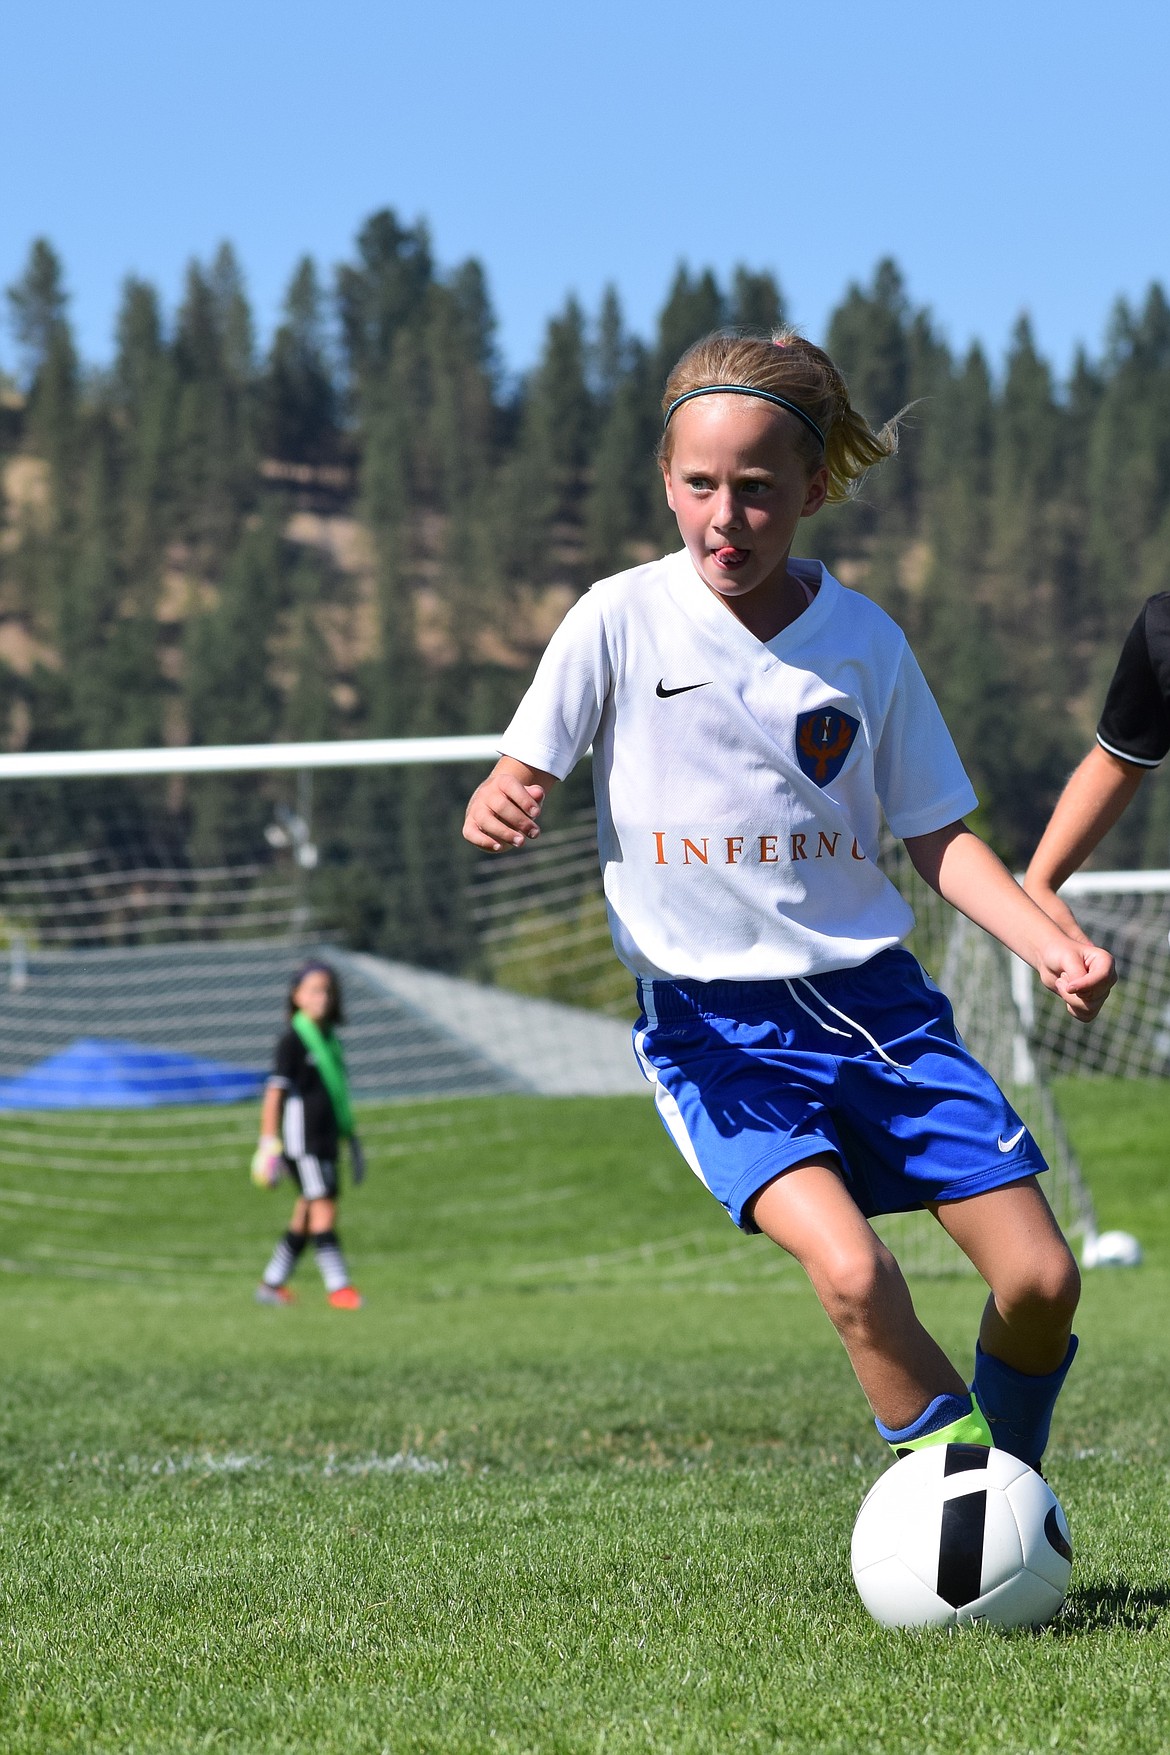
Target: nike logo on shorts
column 1006, row 1145
column 665, row 694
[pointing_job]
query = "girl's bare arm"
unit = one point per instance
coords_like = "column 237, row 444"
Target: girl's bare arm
column 271, row 1111
column 965, row 871
column 504, row 808
column 1094, row 799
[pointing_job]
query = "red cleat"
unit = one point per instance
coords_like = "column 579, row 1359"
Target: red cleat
column 346, row 1298
column 275, row 1294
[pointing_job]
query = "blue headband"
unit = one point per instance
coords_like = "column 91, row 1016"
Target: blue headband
column 746, row 390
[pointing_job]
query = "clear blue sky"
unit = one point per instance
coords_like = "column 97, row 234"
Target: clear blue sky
column 1010, row 156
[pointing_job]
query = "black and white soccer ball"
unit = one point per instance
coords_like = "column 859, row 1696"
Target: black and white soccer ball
column 958, row 1533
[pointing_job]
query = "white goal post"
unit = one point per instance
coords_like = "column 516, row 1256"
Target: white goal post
column 246, row 758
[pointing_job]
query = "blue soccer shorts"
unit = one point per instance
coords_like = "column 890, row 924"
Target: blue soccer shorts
column 753, row 1077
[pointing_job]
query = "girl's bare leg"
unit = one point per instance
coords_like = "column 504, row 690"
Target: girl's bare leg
column 810, row 1213
column 322, row 1215
column 1011, row 1237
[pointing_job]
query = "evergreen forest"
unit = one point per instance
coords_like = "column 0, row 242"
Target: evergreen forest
column 370, row 528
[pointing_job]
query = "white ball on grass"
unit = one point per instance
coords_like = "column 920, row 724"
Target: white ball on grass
column 957, row 1533
column 1112, row 1249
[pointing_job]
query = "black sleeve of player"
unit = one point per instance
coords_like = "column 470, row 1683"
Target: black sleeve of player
column 1135, row 722
column 289, row 1057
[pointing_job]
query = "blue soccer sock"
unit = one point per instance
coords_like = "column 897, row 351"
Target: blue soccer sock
column 1019, row 1407
column 948, row 1419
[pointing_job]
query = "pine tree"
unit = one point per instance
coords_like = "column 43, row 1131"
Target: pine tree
column 458, row 419
column 382, row 292
column 300, row 403
column 308, row 715
column 39, row 307
column 461, row 443
column 229, row 690
column 543, row 482
column 610, row 354
column 215, row 461
column 144, row 396
column 869, row 340
column 757, row 304
column 624, row 489
column 38, row 303
column 468, row 291
column 693, row 308
column 94, row 587
column 1129, row 475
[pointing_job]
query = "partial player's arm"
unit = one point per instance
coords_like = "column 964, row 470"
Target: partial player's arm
column 966, row 873
column 503, row 809
column 1094, row 799
column 271, row 1111
column 1133, row 737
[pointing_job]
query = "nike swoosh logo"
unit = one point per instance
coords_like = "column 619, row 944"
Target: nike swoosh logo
column 1006, row 1145
column 665, row 694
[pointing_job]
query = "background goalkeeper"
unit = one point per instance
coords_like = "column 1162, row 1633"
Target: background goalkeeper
column 306, row 1114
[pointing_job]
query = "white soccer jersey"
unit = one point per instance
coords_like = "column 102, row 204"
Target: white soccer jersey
column 739, row 784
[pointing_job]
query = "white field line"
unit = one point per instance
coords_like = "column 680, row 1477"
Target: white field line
column 112, row 1122
column 648, row 1254
column 34, row 1270
column 92, row 1165
column 27, row 1198
column 101, row 1259
column 402, row 1462
column 537, row 1197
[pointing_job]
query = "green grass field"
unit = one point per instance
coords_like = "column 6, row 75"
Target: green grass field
column 581, row 1477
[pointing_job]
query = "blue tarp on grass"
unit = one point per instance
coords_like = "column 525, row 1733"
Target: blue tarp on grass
column 96, row 1073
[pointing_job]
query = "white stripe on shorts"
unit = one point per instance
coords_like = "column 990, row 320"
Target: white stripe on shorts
column 312, row 1181
column 669, row 1110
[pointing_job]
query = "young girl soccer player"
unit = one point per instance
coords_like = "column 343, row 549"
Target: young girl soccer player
column 308, row 1094
column 749, row 719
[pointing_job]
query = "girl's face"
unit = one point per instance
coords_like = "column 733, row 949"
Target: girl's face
column 313, row 995
column 739, row 488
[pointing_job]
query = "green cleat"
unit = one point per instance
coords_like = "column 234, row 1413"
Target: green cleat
column 971, row 1429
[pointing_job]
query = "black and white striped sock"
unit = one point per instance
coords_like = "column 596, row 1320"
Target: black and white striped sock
column 330, row 1260
column 284, row 1258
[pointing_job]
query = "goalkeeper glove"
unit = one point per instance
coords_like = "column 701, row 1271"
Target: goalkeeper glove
column 268, row 1162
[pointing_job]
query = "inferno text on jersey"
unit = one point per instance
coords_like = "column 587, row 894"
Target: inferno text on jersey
column 786, row 849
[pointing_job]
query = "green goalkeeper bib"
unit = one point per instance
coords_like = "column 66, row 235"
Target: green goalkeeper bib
column 330, row 1062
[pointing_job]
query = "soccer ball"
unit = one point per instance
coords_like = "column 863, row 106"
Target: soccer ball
column 1111, row 1249
column 958, row 1533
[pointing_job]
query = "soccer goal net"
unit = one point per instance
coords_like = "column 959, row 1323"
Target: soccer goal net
column 154, row 903
column 1129, row 913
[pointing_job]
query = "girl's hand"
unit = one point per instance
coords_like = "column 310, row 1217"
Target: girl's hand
column 268, row 1162
column 1082, row 974
column 503, row 810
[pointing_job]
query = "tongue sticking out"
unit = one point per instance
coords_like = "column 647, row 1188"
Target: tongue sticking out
column 730, row 557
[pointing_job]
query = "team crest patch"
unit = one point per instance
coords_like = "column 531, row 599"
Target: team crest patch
column 823, row 740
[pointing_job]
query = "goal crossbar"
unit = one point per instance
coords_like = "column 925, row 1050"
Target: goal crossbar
column 247, row 758
column 1116, row 883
